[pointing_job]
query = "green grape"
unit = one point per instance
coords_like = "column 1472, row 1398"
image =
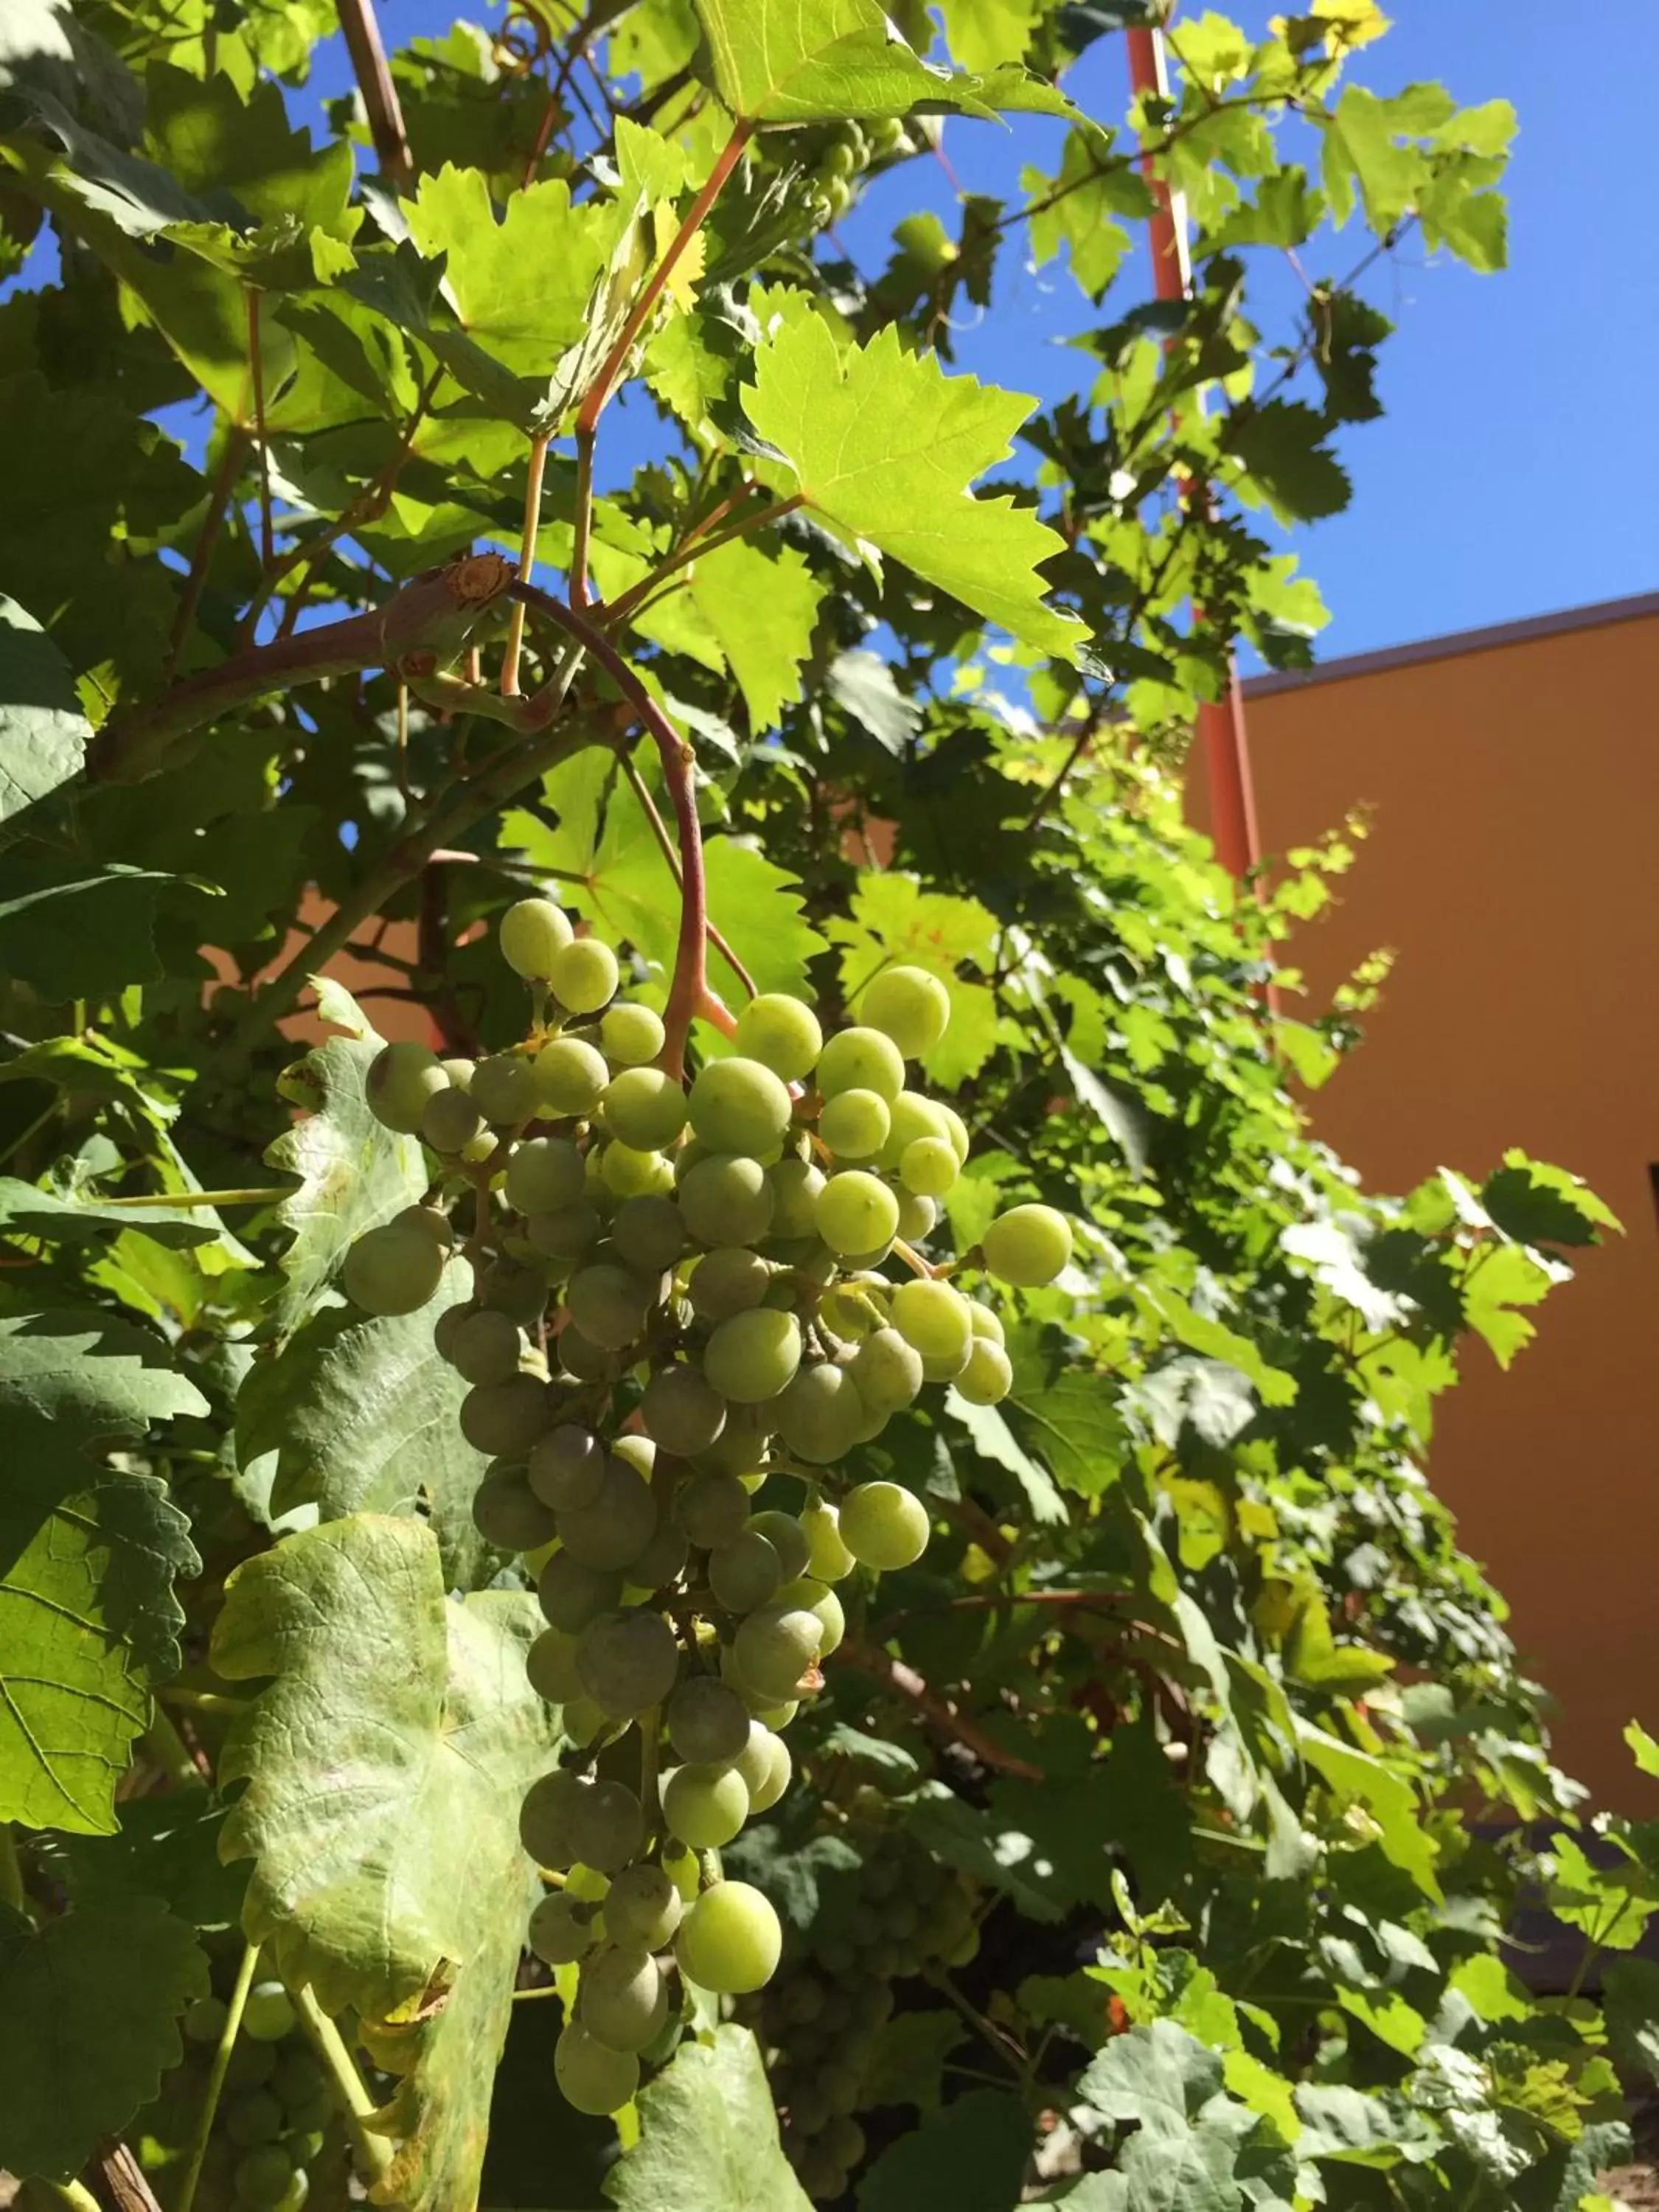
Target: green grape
column 572, row 1592
column 638, row 1452
column 861, row 1060
column 910, row 1006
column 626, row 1662
column 785, row 1533
column 509, row 1513
column 565, row 1234
column 742, row 1445
column 738, row 1106
column 809, row 2108
column 705, row 1806
column 746, row 1572
column 629, row 1035
column 781, row 1033
column 707, row 1723
column 529, row 932
column 883, row 1525
column 820, row 1415
column 431, row 1221
column 817, row 1597
column 627, row 1173
column 401, row 1078
column 801, row 2002
column 964, row 1951
column 766, row 1767
column 727, row 1281
column 774, row 1647
column 912, row 1117
column 841, row 2086
column 268, row 2015
column 563, row 1929
column 512, row 1287
column 853, row 1307
column 727, row 1200
column 624, row 2001
column 584, row 975
column 570, row 1078
column 262, row 2176
column 956, row 1130
column 613, row 1530
column 753, row 1355
column 608, row 1825
column 711, row 1508
column 642, row 1909
column 680, row 1412
column 917, row 1217
column 795, row 1188
column 394, row 1269
column 504, row 1088
column 547, row 1818
column 856, row 1213
column 298, row 2080
column 986, row 1323
column 844, row 2143
column 854, row 1124
column 505, row 1418
column 1028, row 1246
column 887, row 1370
column 730, row 1941
column 485, row 1347
column 989, row 1375
column 445, row 1327
column 645, row 1108
column 648, row 1232
column 828, row 1559
column 204, row 2019
column 450, row 1121
column 582, row 1361
column 607, row 1304
column 593, row 2077
column 872, row 2005
column 661, row 1561
column 566, row 1467
column 888, row 136
column 928, row 1167
column 587, row 1881
column 251, row 2063
column 459, row 1072
column 583, row 1722
column 550, row 1666
column 256, row 2117
column 935, row 1319
column 545, row 1174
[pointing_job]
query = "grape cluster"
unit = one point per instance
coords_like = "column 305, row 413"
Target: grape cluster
column 677, row 1291
column 846, row 151
column 270, row 2130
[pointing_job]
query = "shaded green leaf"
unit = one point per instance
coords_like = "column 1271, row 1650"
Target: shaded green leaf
column 709, row 2136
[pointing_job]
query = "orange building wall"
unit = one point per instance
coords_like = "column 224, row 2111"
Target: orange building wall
column 1513, row 865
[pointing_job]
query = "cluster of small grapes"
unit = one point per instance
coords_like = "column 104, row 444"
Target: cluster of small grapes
column 713, row 1252
column 847, row 150
column 271, row 2128
column 820, row 2020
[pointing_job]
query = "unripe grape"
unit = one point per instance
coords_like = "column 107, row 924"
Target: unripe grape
column 450, row 1121
column 781, row 1033
column 662, row 1560
column 856, row 1306
column 608, row 1824
column 503, row 1419
column 566, row 1234
column 738, row 1106
column 545, row 1174
column 607, row 1304
column 705, row 1806
column 820, row 1414
column 766, row 1767
column 627, row 1173
column 854, row 1124
column 910, row 1006
column 815, row 1597
column 642, row 1909
column 680, row 1412
column 571, row 1593
column 795, row 1188
column 1028, row 1246
column 741, row 1447
column 485, row 1347
column 887, row 1370
column 629, row 1035
column 394, row 1269
column 828, row 1559
column 730, row 1941
column 989, row 1377
column 615, row 1527
column 911, row 1116
column 582, row 1361
column 956, row 1130
column 257, row 2117
column 587, row 1882
column 507, row 1512
column 623, row 2001
column 401, row 1078
column 727, row 1200
column 753, row 1355
column 746, row 1572
column 512, row 1287
column 856, row 1213
column 504, row 1088
column 583, row 1722
column 644, row 1107
column 251, row 2064
column 584, row 975
column 774, row 1647
column 563, row 1929
column 928, row 1166
column 883, row 1525
column 550, row 1666
column 263, row 2176
column 635, row 1451
column 707, row 1723
column 566, row 1467
column 985, row 1322
column 860, row 1060
column 917, row 1217
column 784, row 1533
column 530, row 934
column 204, row 2018
column 649, row 1232
column 626, row 1662
column 711, row 1508
column 934, row 1318
column 268, row 2013
column 593, row 2078
column 569, row 1077
column 727, row 1280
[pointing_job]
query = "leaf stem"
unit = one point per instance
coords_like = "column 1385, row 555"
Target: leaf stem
column 371, row 2147
column 234, row 452
column 692, row 548
column 216, row 2080
column 532, row 519
column 659, row 830
column 186, row 1198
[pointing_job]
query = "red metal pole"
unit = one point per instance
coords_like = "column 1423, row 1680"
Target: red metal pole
column 1221, row 730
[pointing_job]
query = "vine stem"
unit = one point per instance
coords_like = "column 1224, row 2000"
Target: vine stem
column 216, row 2072
column 232, row 455
column 369, row 65
column 665, row 844
column 371, row 2147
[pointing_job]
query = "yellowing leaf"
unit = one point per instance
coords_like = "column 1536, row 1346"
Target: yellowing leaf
column 885, row 444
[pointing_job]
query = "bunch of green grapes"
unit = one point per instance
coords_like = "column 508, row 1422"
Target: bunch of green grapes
column 845, row 151
column 678, row 1290
column 819, row 2021
column 271, row 2127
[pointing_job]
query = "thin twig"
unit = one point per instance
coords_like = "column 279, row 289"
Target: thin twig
column 532, row 521
column 938, row 1712
column 379, row 93
column 257, row 369
column 688, row 550
column 231, row 458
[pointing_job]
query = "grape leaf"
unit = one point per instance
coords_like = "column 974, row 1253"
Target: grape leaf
column 709, row 2136
column 908, row 2063
column 88, row 1622
column 168, row 1847
column 762, row 609
column 354, row 1174
column 1063, row 1414
column 969, row 2157
column 363, row 1417
column 88, row 936
column 1188, row 2134
column 43, row 732
column 885, row 445
column 88, row 2003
